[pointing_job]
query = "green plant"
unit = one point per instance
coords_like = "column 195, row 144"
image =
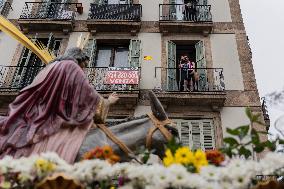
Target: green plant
column 245, row 140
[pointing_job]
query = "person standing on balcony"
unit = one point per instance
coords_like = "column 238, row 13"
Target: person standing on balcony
column 190, row 11
column 55, row 112
column 187, row 73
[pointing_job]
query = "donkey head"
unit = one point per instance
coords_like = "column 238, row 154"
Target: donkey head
column 159, row 111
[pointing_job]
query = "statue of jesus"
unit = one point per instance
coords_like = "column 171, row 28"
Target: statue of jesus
column 55, row 112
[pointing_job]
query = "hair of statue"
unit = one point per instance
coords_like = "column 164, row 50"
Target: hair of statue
column 75, row 54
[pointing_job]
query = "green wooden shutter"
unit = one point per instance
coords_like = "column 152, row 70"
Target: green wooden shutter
column 134, row 55
column 197, row 134
column 91, row 50
column 201, row 63
column 171, row 71
column 203, row 12
column 172, row 10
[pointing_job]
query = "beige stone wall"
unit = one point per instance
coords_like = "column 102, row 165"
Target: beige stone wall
column 220, row 10
column 151, row 46
column 150, row 9
column 86, row 6
column 225, row 55
column 8, row 48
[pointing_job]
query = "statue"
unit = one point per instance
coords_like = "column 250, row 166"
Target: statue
column 55, row 112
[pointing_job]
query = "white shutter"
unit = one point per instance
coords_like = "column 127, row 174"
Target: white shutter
column 197, row 134
column 134, row 56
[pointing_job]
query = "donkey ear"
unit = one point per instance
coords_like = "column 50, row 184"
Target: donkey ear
column 157, row 108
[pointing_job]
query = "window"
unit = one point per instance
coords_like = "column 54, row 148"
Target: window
column 196, row 53
column 197, row 134
column 112, row 56
column 29, row 64
column 120, row 54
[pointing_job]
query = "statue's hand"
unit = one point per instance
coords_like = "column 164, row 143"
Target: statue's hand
column 113, row 98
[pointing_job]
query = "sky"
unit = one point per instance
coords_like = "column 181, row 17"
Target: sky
column 264, row 21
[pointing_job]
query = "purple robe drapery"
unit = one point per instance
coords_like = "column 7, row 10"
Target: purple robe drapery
column 59, row 100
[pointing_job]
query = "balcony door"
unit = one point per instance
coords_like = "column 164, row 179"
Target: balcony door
column 50, row 8
column 29, row 64
column 105, row 56
column 174, row 82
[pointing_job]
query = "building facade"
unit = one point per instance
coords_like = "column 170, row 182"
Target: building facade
column 146, row 39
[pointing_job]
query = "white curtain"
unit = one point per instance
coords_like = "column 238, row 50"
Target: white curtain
column 104, row 55
column 113, row 1
column 121, row 57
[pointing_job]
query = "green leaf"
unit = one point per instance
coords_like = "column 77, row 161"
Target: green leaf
column 255, row 118
column 271, row 145
column 249, row 113
column 258, row 148
column 243, row 131
column 234, row 132
column 245, row 152
column 281, row 141
column 254, row 137
column 231, row 141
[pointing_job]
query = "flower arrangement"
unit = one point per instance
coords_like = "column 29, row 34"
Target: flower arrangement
column 193, row 161
column 103, row 153
column 237, row 174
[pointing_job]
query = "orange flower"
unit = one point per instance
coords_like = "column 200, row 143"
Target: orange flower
column 97, row 153
column 88, row 155
column 113, row 159
column 215, row 157
column 107, row 152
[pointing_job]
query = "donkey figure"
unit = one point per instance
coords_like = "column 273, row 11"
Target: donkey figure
column 132, row 132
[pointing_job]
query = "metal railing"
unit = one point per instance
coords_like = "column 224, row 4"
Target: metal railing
column 187, row 80
column 49, row 10
column 183, row 12
column 15, row 78
column 130, row 12
column 5, row 9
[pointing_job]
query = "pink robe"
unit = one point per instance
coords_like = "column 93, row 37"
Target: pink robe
column 53, row 114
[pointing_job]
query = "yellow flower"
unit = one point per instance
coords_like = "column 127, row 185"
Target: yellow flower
column 44, row 165
column 184, row 155
column 169, row 159
column 200, row 159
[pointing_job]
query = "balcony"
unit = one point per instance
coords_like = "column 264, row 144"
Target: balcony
column 183, row 19
column 15, row 78
column 206, row 88
column 115, row 18
column 5, row 9
column 39, row 16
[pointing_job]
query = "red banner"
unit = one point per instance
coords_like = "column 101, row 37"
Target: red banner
column 129, row 77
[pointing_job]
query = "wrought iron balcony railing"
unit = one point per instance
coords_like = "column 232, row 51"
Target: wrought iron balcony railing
column 129, row 12
column 5, row 9
column 49, row 10
column 199, row 80
column 183, row 12
column 14, row 78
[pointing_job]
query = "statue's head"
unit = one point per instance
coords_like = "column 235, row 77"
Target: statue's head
column 79, row 55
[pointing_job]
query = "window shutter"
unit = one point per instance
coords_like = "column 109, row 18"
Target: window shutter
column 197, row 134
column 208, row 135
column 91, row 50
column 201, row 63
column 134, row 55
column 43, row 8
column 202, row 2
column 171, row 71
